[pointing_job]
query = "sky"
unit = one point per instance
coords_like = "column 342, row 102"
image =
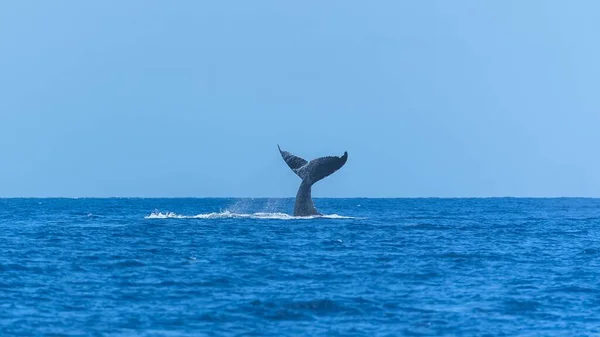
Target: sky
column 190, row 98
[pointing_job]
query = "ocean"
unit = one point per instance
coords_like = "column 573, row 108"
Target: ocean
column 245, row 267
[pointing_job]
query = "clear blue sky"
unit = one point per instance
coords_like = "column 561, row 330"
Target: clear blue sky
column 190, row 98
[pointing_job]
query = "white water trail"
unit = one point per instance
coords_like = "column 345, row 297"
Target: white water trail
column 229, row 215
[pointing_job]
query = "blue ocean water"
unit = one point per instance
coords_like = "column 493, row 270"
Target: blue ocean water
column 243, row 267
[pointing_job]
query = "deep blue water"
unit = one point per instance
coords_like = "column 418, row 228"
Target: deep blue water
column 383, row 267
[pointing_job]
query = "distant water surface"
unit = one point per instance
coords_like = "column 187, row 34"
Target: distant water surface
column 229, row 267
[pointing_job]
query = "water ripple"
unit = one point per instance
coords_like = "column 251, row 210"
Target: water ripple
column 229, row 267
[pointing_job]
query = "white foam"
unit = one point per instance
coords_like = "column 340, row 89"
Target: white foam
column 228, row 214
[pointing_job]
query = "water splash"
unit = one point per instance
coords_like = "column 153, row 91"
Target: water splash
column 228, row 215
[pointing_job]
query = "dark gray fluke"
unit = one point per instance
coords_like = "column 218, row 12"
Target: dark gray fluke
column 310, row 172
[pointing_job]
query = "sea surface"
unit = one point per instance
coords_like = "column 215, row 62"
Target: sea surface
column 245, row 267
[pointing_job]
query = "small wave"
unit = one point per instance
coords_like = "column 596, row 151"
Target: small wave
column 228, row 214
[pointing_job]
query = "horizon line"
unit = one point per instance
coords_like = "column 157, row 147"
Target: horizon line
column 291, row 197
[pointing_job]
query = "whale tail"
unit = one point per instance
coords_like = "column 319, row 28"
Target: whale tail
column 294, row 162
column 316, row 169
column 310, row 173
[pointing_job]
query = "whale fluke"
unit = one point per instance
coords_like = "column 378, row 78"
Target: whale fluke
column 294, row 162
column 310, row 172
